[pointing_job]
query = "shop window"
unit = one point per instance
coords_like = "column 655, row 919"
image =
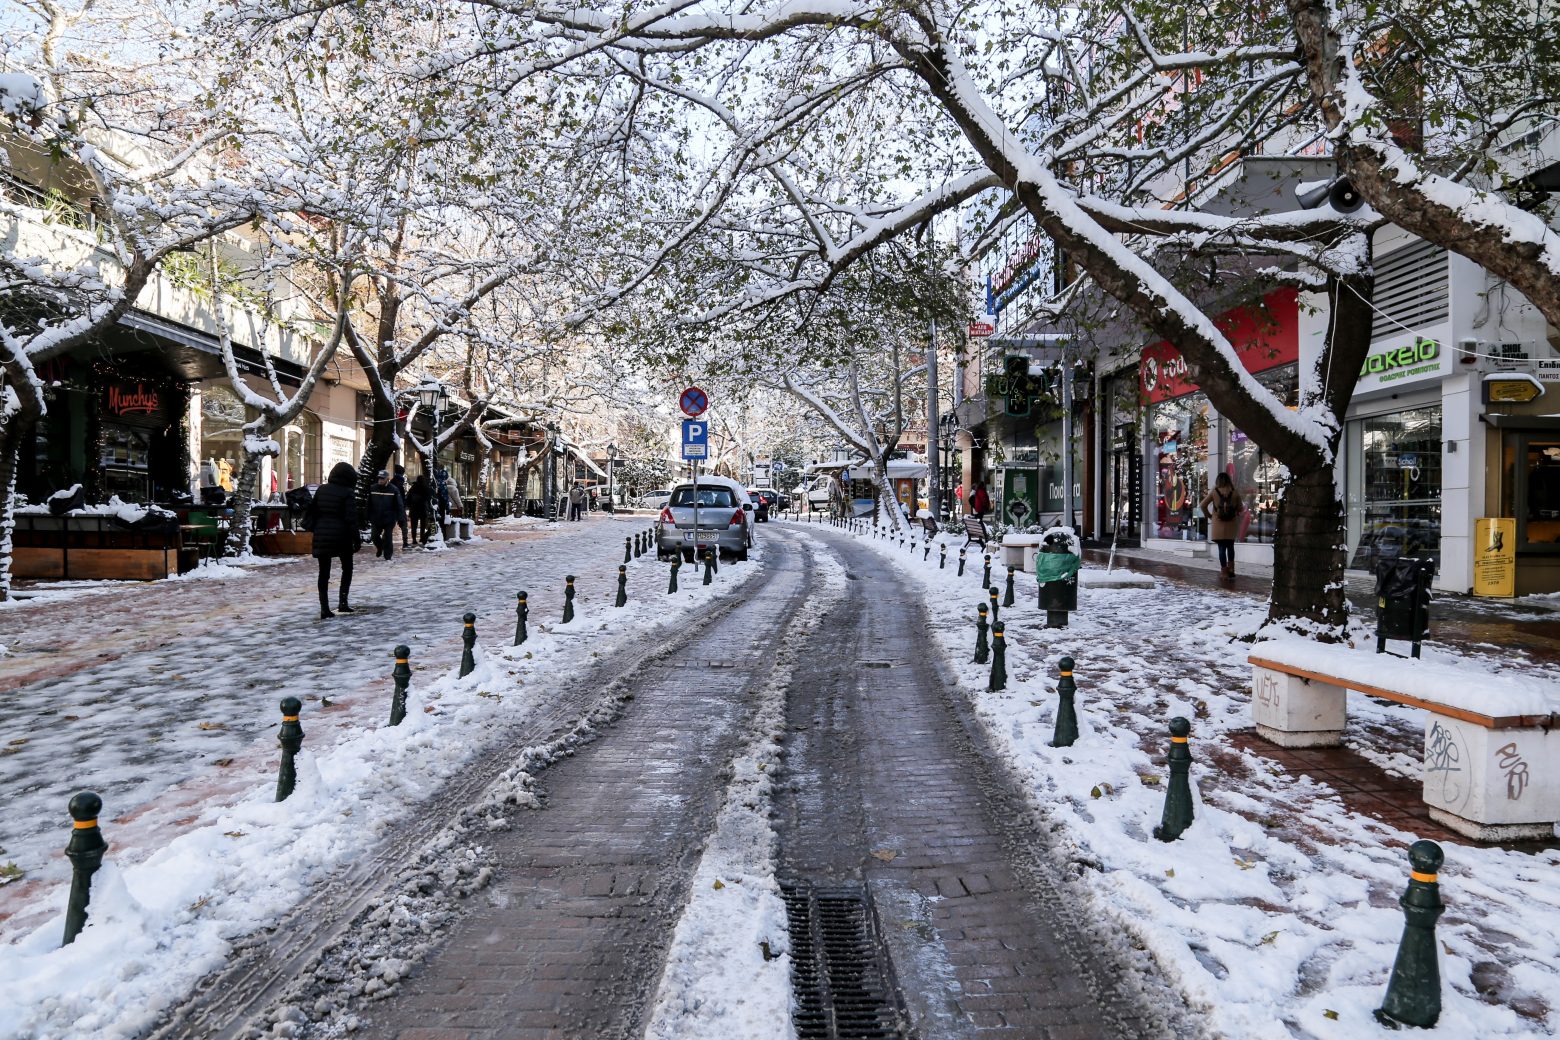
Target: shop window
column 1530, row 490
column 1180, row 438
column 1395, row 487
column 1257, row 476
column 222, row 419
column 301, row 450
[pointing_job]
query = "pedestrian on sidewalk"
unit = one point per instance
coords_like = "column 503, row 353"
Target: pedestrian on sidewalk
column 386, row 512
column 399, row 480
column 980, row 500
column 418, row 498
column 576, row 501
column 1222, row 506
column 332, row 516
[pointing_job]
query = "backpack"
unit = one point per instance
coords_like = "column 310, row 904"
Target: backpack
column 1225, row 508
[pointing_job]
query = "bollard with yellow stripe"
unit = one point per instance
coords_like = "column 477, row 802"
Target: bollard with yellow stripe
column 1414, row 990
column 468, row 638
column 85, row 852
column 1066, row 732
column 522, row 611
column 1178, row 792
column 291, row 739
column 402, row 676
column 998, row 680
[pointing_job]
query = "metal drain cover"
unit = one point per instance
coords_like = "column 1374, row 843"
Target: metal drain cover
column 837, row 974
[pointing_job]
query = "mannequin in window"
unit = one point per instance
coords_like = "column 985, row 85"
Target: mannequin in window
column 225, row 475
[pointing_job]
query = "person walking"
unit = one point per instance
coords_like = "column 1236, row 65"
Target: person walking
column 1222, row 506
column 980, row 501
column 332, row 516
column 418, row 498
column 441, row 485
column 576, row 501
column 386, row 512
column 399, row 480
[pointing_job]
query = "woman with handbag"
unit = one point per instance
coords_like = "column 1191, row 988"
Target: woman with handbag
column 1222, row 506
column 332, row 516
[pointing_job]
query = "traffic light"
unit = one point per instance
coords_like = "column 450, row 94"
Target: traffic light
column 1017, row 399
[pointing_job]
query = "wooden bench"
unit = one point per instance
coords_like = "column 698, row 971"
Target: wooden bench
column 975, row 531
column 1491, row 749
column 930, row 527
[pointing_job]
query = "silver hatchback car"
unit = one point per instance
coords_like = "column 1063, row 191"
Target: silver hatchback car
column 725, row 519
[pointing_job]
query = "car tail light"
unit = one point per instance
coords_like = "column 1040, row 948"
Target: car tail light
column 737, row 519
column 666, row 515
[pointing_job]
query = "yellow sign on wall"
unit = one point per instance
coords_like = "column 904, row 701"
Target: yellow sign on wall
column 1495, row 556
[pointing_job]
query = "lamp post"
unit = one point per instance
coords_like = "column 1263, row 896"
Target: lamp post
column 432, row 396
column 612, row 454
column 550, row 475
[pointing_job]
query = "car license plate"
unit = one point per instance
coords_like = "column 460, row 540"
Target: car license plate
column 701, row 537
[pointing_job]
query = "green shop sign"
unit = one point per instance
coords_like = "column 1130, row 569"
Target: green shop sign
column 1418, row 358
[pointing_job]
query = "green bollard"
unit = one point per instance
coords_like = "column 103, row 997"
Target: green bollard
column 995, row 613
column 468, row 661
column 985, row 576
column 676, row 563
column 1178, row 793
column 961, row 563
column 942, row 556
column 1414, row 990
column 402, row 676
column 622, row 596
column 1007, row 595
column 568, row 598
column 85, row 852
column 522, row 611
column 1066, row 733
column 628, row 549
column 709, row 566
column 998, row 658
column 981, row 651
column 291, row 739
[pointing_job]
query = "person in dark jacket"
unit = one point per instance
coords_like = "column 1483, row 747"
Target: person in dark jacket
column 386, row 512
column 332, row 516
column 417, row 499
column 399, row 480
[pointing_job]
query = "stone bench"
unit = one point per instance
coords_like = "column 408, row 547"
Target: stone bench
column 458, row 529
column 1491, row 751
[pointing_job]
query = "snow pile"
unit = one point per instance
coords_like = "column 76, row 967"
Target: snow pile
column 21, row 95
column 159, row 925
column 126, row 512
column 728, row 968
column 1276, row 914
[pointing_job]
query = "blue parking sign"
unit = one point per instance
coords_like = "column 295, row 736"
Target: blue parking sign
column 695, row 439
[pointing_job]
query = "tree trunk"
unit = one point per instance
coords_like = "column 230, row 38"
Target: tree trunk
column 244, row 497
column 1310, row 545
column 13, row 428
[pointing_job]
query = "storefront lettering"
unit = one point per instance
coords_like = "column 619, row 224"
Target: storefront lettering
column 1263, row 337
column 1400, row 363
column 141, row 400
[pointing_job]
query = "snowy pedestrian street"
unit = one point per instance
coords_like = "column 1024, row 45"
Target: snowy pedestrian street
column 163, row 697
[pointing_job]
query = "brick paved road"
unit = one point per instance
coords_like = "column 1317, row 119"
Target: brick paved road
column 888, row 781
column 570, row 938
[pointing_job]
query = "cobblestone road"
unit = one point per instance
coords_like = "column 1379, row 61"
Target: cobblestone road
column 569, row 939
column 888, row 782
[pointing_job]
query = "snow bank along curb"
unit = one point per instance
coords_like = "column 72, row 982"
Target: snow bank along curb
column 1276, row 914
column 728, row 970
column 158, row 926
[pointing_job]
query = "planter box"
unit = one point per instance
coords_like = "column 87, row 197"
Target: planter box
column 95, row 564
column 283, row 543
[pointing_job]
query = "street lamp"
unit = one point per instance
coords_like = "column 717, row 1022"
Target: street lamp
column 432, row 396
column 612, row 454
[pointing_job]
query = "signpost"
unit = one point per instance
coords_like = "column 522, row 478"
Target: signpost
column 695, row 446
column 695, row 440
column 1495, row 556
column 693, row 402
column 984, row 326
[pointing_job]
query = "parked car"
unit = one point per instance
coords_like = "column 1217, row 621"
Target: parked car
column 764, row 501
column 725, row 513
column 655, row 499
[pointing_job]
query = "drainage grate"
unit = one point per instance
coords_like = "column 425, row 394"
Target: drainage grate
column 841, row 988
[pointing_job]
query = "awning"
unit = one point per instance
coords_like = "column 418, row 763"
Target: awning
column 579, row 453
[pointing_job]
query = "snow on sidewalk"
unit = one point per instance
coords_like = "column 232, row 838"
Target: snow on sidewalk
column 172, row 898
column 1276, row 914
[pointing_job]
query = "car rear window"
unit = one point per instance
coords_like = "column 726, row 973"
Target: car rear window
column 711, row 497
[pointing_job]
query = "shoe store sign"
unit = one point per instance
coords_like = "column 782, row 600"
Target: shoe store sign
column 1404, row 360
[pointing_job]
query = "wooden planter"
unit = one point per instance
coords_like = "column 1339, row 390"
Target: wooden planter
column 283, row 543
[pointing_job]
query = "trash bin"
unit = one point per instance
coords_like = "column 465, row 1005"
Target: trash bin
column 1056, row 569
column 1403, row 600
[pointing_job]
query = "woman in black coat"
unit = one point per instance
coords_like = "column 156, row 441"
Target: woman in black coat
column 332, row 516
column 417, row 497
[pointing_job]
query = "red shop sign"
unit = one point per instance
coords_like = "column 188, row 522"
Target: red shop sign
column 1263, row 339
column 142, row 400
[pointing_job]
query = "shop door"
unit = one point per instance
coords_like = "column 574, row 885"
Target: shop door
column 1126, row 495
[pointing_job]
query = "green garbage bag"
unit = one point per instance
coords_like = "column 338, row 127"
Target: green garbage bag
column 1055, row 566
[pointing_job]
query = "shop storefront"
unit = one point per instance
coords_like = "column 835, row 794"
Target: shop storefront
column 222, row 419
column 1186, row 443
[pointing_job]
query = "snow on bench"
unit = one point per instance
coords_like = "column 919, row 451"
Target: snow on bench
column 1492, row 753
column 458, row 528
